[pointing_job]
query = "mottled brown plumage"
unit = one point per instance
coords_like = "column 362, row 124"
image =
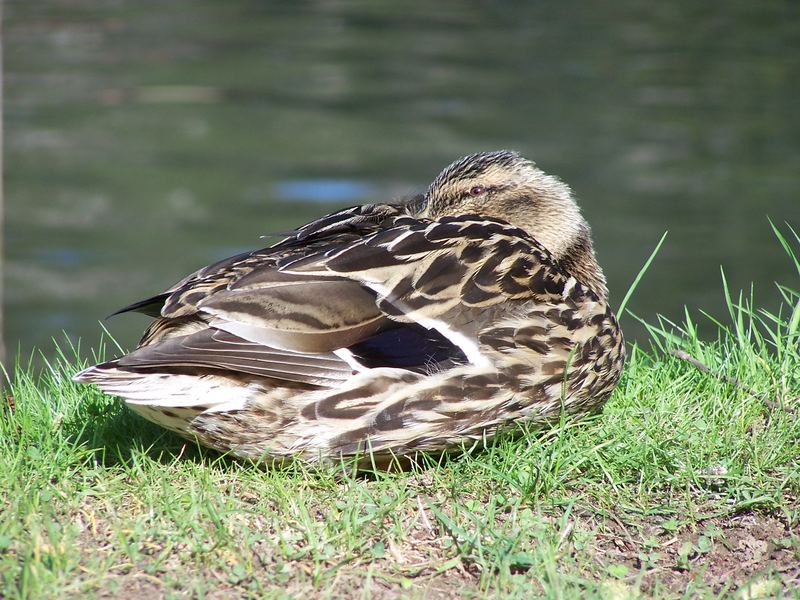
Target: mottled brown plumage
column 390, row 328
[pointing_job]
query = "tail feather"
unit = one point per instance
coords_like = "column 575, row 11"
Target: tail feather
column 163, row 389
column 149, row 306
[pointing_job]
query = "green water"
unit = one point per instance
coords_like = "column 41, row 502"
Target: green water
column 145, row 139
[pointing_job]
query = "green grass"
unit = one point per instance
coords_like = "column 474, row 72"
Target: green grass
column 686, row 485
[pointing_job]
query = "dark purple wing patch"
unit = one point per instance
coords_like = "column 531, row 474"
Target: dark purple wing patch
column 410, row 347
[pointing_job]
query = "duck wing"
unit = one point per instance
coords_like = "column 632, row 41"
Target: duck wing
column 426, row 272
column 355, row 290
column 208, row 347
column 243, row 314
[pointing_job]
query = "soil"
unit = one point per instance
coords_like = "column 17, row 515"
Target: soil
column 754, row 554
column 748, row 552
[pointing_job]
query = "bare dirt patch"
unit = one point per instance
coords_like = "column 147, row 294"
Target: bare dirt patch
column 721, row 554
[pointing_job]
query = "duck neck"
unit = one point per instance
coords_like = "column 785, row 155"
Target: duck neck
column 579, row 261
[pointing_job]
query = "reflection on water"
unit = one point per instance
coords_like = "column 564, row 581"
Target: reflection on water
column 145, row 139
column 324, row 190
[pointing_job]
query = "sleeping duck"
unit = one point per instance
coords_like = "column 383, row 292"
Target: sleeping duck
column 385, row 328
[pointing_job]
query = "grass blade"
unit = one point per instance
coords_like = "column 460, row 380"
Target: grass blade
column 639, row 275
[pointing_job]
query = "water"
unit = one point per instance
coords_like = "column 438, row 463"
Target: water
column 145, row 139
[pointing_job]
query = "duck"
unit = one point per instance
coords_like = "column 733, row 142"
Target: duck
column 387, row 329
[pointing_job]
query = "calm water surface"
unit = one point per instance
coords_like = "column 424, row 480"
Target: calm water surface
column 145, row 139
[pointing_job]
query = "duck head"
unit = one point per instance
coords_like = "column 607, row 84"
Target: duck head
column 506, row 186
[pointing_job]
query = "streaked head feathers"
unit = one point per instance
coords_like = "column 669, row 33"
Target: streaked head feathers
column 504, row 185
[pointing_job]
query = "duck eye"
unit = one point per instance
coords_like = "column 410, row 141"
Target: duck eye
column 477, row 190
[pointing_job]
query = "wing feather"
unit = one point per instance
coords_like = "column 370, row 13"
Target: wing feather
column 217, row 349
column 423, row 269
column 343, row 282
column 304, row 316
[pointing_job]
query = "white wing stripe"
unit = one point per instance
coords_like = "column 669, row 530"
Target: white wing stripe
column 468, row 346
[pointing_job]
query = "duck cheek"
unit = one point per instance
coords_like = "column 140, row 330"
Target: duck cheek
column 474, row 206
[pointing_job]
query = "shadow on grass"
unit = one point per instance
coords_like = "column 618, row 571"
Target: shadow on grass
column 116, row 435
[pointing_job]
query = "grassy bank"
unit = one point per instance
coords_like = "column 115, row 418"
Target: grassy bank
column 688, row 483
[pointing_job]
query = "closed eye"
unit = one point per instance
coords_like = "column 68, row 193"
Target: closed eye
column 479, row 190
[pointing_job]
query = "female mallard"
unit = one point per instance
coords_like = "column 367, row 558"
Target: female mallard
column 390, row 328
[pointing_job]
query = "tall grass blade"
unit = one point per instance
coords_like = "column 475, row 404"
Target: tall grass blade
column 639, row 276
column 785, row 243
